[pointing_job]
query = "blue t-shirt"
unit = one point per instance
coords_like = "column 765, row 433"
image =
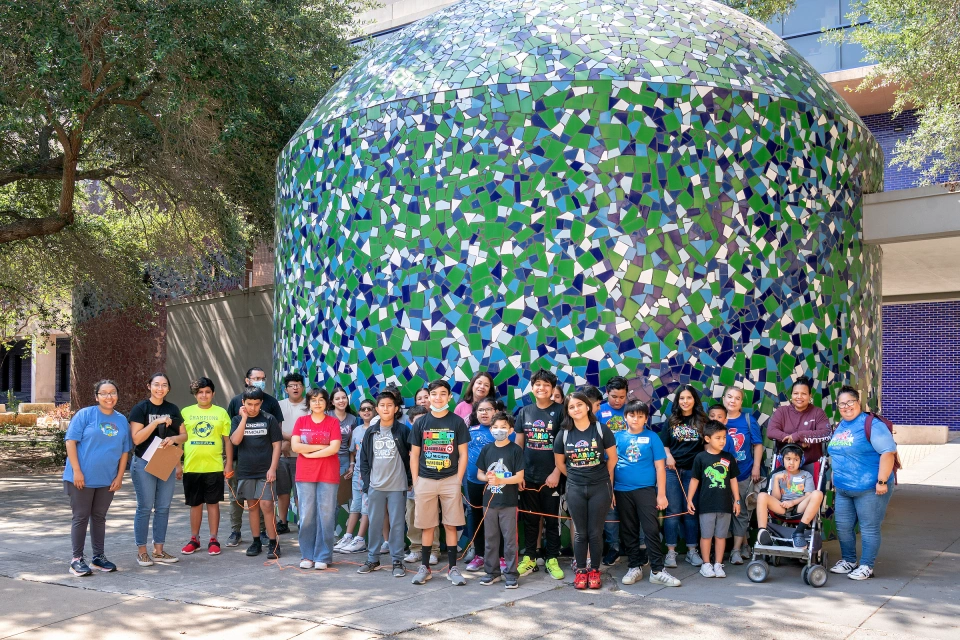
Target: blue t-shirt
column 856, row 462
column 743, row 434
column 612, row 418
column 636, row 454
column 480, row 437
column 101, row 440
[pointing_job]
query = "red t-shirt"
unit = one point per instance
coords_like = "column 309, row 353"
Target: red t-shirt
column 324, row 432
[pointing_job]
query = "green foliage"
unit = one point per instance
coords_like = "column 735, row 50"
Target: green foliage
column 59, row 447
column 13, row 403
column 762, row 10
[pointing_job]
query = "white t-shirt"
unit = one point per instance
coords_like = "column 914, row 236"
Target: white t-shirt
column 291, row 412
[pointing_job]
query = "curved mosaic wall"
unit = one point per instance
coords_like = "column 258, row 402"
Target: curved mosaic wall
column 666, row 192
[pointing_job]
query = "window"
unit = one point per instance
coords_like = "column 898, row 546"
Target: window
column 63, row 381
column 824, row 56
column 812, row 16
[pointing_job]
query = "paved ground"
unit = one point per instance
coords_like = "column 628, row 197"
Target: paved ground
column 916, row 592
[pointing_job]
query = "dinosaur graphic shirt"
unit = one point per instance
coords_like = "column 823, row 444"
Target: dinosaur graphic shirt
column 714, row 471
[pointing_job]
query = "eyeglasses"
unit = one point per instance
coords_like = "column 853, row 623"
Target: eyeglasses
column 847, row 405
column 366, row 408
column 486, row 410
column 112, row 394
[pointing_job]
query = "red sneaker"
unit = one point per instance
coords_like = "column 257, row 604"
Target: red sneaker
column 593, row 579
column 213, row 547
column 191, row 546
column 580, row 579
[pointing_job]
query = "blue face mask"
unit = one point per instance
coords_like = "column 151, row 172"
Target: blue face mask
column 259, row 384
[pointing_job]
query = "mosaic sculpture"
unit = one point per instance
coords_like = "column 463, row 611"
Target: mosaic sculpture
column 660, row 190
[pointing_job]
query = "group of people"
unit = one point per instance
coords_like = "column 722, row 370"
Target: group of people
column 412, row 470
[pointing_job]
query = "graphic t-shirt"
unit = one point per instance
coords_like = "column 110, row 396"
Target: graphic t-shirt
column 743, row 434
column 794, row 485
column 146, row 412
column 636, row 455
column 505, row 462
column 612, row 418
column 585, row 453
column 480, row 437
column 254, row 455
column 101, row 440
column 439, row 440
column 356, row 441
column 386, row 468
column 684, row 442
column 347, row 425
column 714, row 471
column 854, row 460
column 205, row 428
column 291, row 413
column 539, row 427
column 317, row 433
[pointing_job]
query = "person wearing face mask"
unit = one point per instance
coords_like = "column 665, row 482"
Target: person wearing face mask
column 801, row 422
column 255, row 377
column 480, row 437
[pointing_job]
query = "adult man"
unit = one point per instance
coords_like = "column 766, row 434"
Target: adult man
column 293, row 407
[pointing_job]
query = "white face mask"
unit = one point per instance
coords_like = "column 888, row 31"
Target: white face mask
column 440, row 409
column 499, row 434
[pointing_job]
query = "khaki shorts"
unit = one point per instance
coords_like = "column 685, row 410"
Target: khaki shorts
column 434, row 496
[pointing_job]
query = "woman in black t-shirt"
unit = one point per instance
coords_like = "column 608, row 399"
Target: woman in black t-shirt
column 154, row 419
column 586, row 453
column 682, row 439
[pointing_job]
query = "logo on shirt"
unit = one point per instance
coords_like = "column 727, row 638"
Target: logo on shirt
column 203, row 429
column 539, row 436
column 108, row 429
column 683, row 433
column 717, row 474
column 500, row 471
column 616, row 423
column 842, row 439
column 738, row 440
column 633, row 450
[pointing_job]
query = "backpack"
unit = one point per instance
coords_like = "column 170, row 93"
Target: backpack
column 867, row 429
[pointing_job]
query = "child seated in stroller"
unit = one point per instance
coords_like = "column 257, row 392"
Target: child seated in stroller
column 792, row 492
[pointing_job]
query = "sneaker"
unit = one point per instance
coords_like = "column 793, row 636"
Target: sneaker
column 356, row 545
column 670, row 560
column 693, row 557
column 454, row 576
column 234, row 539
column 475, row 565
column 664, row 578
column 213, row 547
column 503, row 565
column 385, row 547
column 255, row 548
column 143, row 559
column 706, row 570
column 718, row 571
column 306, row 564
column 165, row 557
column 611, row 558
column 470, row 555
column 488, row 579
column 735, row 557
column 282, row 527
column 398, row 570
column 511, row 582
column 434, row 559
column 553, row 568
column 368, row 566
column 580, row 579
column 861, row 573
column 274, row 547
column 79, row 568
column 423, row 574
column 843, row 566
column 594, row 581
column 526, row 566
column 344, row 541
column 764, row 538
column 633, row 575
column 320, row 566
column 264, row 540
column 101, row 562
column 187, row 550
column 799, row 540
column 413, row 556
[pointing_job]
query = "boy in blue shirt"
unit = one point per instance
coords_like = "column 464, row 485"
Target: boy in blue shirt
column 640, row 491
column 610, row 415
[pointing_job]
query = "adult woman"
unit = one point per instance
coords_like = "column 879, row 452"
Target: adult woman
column 801, row 422
column 154, row 419
column 348, row 422
column 422, row 397
column 98, row 443
column 682, row 439
column 745, row 441
column 316, row 440
column 586, row 453
column 863, row 479
column 480, row 436
column 479, row 387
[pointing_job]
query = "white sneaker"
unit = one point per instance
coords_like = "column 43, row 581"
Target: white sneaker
column 344, row 541
column 633, row 575
column 664, row 578
column 470, row 555
column 413, row 556
column 356, row 545
column 718, row 571
column 670, row 560
column 306, row 564
column 433, row 558
column 861, row 573
column 320, row 566
column 385, row 547
column 693, row 557
column 736, row 557
column 843, row 566
column 706, row 570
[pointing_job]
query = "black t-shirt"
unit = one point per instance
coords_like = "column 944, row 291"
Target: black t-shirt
column 439, row 440
column 506, row 460
column 539, row 427
column 585, row 452
column 270, row 405
column 714, row 471
column 146, row 412
column 255, row 452
column 684, row 442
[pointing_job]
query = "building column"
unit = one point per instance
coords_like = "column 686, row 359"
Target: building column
column 43, row 369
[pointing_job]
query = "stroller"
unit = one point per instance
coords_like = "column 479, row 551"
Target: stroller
column 814, row 557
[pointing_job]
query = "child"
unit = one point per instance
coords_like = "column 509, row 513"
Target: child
column 256, row 437
column 792, row 491
column 480, row 436
column 640, row 490
column 500, row 465
column 719, row 496
column 358, row 507
column 208, row 436
column 413, row 533
column 718, row 412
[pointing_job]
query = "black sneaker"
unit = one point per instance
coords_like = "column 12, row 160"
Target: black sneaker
column 489, row 578
column 398, row 570
column 282, row 527
column 255, row 548
column 79, row 568
column 511, row 582
column 764, row 538
column 234, row 539
column 611, row 558
column 101, row 562
column 274, row 547
column 368, row 566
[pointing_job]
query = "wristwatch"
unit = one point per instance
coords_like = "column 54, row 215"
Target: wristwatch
column 737, row 502
column 881, row 482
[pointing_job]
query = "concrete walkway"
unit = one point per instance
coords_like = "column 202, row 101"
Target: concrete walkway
column 916, row 592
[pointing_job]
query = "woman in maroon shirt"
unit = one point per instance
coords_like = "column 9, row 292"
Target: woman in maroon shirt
column 801, row 422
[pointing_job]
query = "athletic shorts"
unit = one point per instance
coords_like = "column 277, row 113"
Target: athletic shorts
column 286, row 475
column 434, row 495
column 255, row 489
column 203, row 488
column 715, row 525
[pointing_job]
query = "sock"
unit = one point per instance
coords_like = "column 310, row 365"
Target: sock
column 802, row 527
column 452, row 556
column 425, row 555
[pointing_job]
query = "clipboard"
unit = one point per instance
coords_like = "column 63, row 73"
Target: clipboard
column 164, row 461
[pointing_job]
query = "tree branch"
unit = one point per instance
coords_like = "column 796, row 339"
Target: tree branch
column 53, row 170
column 31, row 227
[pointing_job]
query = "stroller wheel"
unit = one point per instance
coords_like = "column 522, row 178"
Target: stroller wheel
column 757, row 570
column 777, row 560
column 805, row 574
column 817, row 576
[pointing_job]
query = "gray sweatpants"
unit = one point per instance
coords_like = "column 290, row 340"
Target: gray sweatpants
column 499, row 522
column 88, row 506
column 391, row 504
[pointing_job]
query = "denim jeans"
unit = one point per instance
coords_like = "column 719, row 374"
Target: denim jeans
column 394, row 505
column 867, row 508
column 318, row 520
column 153, row 496
column 678, row 504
